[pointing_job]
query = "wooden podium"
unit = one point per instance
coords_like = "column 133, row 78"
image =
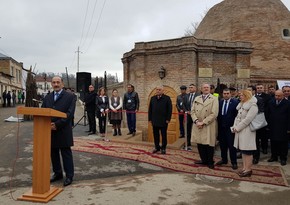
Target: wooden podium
column 41, row 190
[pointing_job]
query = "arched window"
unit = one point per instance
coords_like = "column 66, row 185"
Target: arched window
column 286, row 33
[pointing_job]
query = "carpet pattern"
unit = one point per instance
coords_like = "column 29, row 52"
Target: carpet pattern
column 178, row 160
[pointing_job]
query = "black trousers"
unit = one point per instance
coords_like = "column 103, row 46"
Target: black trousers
column 156, row 134
column 206, row 153
column 261, row 135
column 226, row 138
column 181, row 123
column 188, row 129
column 67, row 161
column 102, row 124
column 92, row 121
column 279, row 148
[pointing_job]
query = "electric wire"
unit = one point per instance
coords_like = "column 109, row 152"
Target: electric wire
column 96, row 26
column 84, row 23
column 91, row 20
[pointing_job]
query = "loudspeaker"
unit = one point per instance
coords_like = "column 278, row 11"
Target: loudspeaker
column 84, row 80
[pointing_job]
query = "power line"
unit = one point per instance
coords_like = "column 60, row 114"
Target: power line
column 90, row 23
column 97, row 25
column 84, row 21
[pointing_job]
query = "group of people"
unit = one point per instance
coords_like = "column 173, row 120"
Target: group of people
column 210, row 118
column 227, row 119
column 101, row 106
column 9, row 98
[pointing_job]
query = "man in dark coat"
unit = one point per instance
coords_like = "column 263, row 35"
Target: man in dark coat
column 226, row 118
column 180, row 108
column 90, row 103
column 278, row 118
column 159, row 114
column 4, row 96
column 61, row 135
column 131, row 105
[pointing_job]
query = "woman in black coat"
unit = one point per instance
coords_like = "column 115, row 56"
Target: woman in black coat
column 102, row 107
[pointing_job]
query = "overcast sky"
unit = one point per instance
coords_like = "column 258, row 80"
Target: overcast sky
column 46, row 34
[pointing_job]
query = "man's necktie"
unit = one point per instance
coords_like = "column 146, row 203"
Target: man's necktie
column 225, row 107
column 56, row 96
column 190, row 99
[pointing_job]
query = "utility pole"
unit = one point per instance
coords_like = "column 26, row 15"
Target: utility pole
column 67, row 77
column 78, row 51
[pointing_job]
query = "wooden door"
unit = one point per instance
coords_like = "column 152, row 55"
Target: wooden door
column 173, row 127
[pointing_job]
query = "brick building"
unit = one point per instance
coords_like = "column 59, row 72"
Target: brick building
column 10, row 75
column 184, row 60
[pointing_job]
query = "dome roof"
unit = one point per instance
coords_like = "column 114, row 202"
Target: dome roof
column 261, row 22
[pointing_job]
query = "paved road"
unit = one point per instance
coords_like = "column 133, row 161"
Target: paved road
column 107, row 180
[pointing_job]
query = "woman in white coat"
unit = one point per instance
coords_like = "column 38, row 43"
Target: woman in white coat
column 245, row 139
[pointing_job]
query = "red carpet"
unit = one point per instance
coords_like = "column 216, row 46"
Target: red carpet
column 178, row 160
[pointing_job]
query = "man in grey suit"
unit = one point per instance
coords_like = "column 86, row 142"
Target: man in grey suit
column 61, row 130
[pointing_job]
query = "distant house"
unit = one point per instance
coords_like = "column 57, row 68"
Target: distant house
column 10, row 74
column 43, row 84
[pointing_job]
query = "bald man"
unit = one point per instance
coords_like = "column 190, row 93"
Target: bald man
column 278, row 118
column 159, row 115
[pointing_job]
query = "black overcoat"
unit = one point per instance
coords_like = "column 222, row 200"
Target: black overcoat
column 160, row 110
column 278, row 118
column 62, row 136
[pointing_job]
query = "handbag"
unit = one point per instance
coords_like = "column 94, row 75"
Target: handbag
column 258, row 122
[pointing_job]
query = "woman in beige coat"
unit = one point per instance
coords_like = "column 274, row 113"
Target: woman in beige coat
column 245, row 139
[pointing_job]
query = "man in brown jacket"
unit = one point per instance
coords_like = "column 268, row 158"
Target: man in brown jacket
column 204, row 114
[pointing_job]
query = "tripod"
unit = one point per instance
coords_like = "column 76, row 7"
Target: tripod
column 83, row 117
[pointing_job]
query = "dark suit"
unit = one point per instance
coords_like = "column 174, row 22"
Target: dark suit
column 180, row 108
column 62, row 137
column 160, row 111
column 90, row 100
column 187, row 107
column 101, row 106
column 278, row 118
column 261, row 134
column 225, row 136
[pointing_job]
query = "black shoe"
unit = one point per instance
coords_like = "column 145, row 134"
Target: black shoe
column 221, row 162
column 234, row 166
column 200, row 162
column 92, row 133
column 181, row 136
column 67, row 181
column 255, row 161
column 163, row 151
column 283, row 162
column 129, row 133
column 88, row 131
column 272, row 159
column 211, row 166
column 133, row 134
column 56, row 177
column 155, row 151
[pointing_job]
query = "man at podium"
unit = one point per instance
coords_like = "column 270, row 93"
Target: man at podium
column 61, row 131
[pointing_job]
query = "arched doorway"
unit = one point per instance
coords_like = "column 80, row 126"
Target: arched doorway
column 173, row 127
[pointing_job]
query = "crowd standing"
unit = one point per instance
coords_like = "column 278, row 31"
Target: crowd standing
column 206, row 118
